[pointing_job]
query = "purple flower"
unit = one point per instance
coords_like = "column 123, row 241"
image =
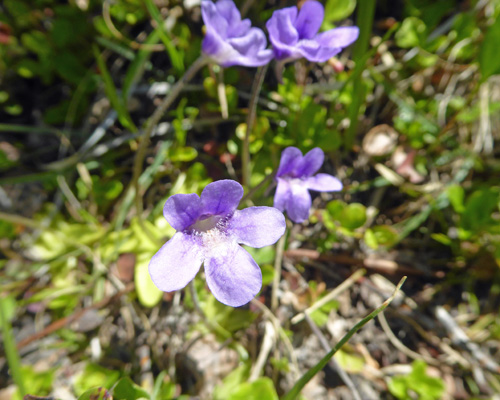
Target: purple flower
column 294, row 34
column 295, row 179
column 209, row 230
column 229, row 40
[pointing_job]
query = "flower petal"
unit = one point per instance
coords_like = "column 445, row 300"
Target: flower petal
column 309, row 19
column 182, row 210
column 283, row 193
column 315, row 52
column 228, row 10
column 213, row 44
column 176, row 263
column 282, row 33
column 257, row 226
column 233, row 276
column 221, row 197
column 250, row 49
column 338, row 37
column 310, row 163
column 290, row 158
column 323, row 183
column 299, row 203
column 213, row 19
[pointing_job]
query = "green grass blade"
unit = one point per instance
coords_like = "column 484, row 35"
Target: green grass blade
column 9, row 345
column 116, row 101
column 137, row 66
column 365, row 15
column 175, row 55
column 295, row 391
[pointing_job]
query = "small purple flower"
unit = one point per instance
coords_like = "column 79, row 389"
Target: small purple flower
column 209, row 231
column 229, row 40
column 295, row 179
column 294, row 34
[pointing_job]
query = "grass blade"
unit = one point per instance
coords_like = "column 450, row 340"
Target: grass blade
column 175, row 55
column 295, row 391
column 116, row 101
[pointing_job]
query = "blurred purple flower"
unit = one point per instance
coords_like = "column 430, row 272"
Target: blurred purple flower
column 229, row 40
column 209, row 230
column 294, row 34
column 295, row 179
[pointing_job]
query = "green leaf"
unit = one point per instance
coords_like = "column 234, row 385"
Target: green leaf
column 149, row 295
column 456, row 195
column 260, row 389
column 336, row 10
column 96, row 393
column 95, row 376
column 349, row 361
column 231, row 382
column 183, row 154
column 382, row 235
column 125, row 389
column 425, row 386
column 489, row 62
column 351, row 216
column 411, row 33
column 478, row 209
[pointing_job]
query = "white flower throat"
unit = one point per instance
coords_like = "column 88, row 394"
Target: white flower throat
column 211, row 230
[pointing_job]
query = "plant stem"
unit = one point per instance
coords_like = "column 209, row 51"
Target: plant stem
column 280, row 247
column 252, row 110
column 9, row 345
column 365, row 15
column 252, row 191
column 150, row 125
column 295, row 391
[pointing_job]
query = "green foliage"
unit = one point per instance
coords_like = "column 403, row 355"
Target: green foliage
column 349, row 216
column 489, row 64
column 125, row 389
column 37, row 383
column 337, row 10
column 418, row 382
column 95, row 376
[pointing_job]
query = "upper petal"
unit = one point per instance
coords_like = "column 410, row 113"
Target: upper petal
column 338, row 37
column 324, row 183
column 281, row 27
column 290, row 157
column 182, row 210
column 299, row 203
column 257, row 226
column 309, row 19
column 228, row 10
column 283, row 193
column 213, row 18
column 310, row 163
column 221, row 197
column 176, row 263
column 233, row 276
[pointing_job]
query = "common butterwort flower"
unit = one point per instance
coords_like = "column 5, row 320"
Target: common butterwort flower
column 209, row 231
column 229, row 40
column 294, row 34
column 295, row 179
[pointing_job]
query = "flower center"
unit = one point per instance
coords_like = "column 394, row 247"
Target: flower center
column 211, row 230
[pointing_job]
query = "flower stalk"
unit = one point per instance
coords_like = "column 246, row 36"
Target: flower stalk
column 151, row 124
column 252, row 112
